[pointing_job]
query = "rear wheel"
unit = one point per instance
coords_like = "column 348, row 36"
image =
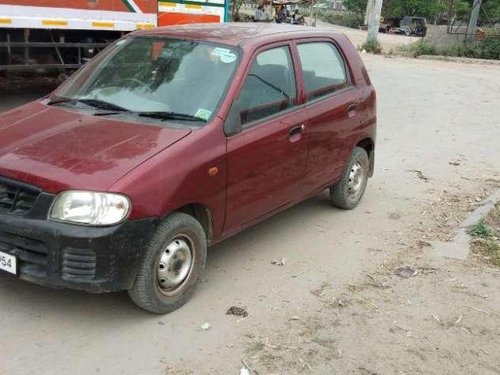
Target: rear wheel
column 173, row 263
column 349, row 190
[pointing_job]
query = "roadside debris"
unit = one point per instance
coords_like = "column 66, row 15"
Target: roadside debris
column 244, row 371
column 238, row 311
column 205, row 326
column 405, row 272
column 408, row 271
column 455, row 163
column 281, row 262
column 376, row 283
column 394, row 216
column 419, row 174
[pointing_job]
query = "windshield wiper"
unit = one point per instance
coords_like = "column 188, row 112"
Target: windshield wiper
column 171, row 116
column 96, row 103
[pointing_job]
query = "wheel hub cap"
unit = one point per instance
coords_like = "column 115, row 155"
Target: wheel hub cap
column 356, row 179
column 175, row 264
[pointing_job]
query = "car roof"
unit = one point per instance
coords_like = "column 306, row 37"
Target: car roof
column 236, row 34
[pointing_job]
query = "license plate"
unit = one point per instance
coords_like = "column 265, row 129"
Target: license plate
column 8, row 263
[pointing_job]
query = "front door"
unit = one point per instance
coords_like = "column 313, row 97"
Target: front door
column 266, row 161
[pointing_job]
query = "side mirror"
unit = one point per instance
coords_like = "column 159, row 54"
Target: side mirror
column 233, row 124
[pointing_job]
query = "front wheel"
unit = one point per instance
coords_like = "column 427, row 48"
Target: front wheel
column 349, row 190
column 174, row 260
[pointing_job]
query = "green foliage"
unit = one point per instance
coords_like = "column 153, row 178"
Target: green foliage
column 461, row 9
column 481, row 230
column 372, row 46
column 489, row 49
column 485, row 49
column 348, row 19
column 423, row 8
column 356, row 6
column 491, row 10
column 420, row 48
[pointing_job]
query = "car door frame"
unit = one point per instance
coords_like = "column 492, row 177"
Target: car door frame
column 251, row 126
column 352, row 86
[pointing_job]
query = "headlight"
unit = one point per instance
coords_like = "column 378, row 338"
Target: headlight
column 90, row 208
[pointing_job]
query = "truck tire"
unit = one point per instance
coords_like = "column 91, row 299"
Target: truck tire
column 349, row 190
column 173, row 262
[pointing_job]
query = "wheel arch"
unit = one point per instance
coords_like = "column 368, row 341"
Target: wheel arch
column 368, row 145
column 202, row 214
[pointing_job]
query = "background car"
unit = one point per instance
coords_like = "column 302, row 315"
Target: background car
column 412, row 26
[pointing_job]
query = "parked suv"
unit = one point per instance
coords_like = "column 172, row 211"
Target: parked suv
column 412, row 26
column 172, row 140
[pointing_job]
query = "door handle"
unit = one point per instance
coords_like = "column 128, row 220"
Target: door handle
column 297, row 129
column 352, row 109
column 352, row 106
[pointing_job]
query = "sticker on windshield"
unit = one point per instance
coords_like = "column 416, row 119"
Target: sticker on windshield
column 203, row 114
column 225, row 55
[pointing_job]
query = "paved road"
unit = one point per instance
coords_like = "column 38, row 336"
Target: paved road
column 429, row 114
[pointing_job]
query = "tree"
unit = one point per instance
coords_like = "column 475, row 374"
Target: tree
column 423, row 8
column 491, row 10
column 356, row 6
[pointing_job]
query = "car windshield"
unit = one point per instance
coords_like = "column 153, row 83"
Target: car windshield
column 155, row 76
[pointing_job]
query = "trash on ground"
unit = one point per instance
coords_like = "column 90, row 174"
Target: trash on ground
column 281, row 262
column 205, row 326
column 238, row 311
column 419, row 174
column 405, row 272
column 244, row 371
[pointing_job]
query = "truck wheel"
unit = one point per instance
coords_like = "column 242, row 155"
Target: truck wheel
column 349, row 190
column 174, row 260
column 408, row 32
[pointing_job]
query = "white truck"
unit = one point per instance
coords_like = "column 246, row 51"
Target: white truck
column 64, row 34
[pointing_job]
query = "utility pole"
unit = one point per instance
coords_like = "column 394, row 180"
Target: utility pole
column 474, row 15
column 373, row 12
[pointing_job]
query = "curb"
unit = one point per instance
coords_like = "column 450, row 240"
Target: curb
column 459, row 248
column 464, row 60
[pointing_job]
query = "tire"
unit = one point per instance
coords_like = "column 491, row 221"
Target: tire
column 408, row 32
column 164, row 281
column 349, row 190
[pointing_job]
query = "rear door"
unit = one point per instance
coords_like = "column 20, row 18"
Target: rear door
column 266, row 161
column 332, row 105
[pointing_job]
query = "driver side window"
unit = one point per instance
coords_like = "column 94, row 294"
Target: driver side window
column 269, row 87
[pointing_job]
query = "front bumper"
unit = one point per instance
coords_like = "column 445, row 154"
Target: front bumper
column 94, row 259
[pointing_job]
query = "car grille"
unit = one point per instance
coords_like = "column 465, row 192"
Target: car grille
column 78, row 264
column 15, row 198
column 31, row 254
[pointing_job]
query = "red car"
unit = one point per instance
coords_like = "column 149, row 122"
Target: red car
column 172, row 140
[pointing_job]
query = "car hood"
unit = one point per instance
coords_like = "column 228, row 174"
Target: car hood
column 58, row 149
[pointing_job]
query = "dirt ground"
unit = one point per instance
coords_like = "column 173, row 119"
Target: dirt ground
column 336, row 306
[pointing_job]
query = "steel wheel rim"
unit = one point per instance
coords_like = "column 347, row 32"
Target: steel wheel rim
column 357, row 177
column 175, row 263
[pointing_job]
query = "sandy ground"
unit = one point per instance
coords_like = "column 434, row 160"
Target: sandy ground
column 444, row 320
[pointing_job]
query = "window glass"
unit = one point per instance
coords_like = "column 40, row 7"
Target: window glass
column 323, row 67
column 157, row 74
column 269, row 87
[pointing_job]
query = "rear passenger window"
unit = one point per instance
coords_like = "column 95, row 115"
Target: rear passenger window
column 269, row 87
column 323, row 67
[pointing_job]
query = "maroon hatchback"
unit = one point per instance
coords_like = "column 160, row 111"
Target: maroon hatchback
column 172, row 140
